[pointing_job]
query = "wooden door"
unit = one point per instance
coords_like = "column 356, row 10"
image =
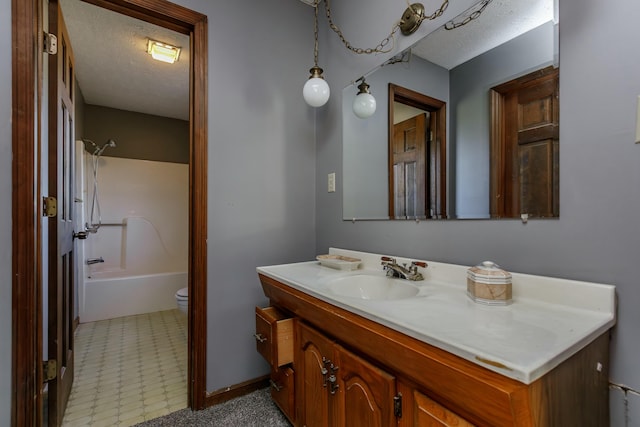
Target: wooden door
column 408, row 171
column 61, row 186
column 312, row 362
column 364, row 397
column 525, row 146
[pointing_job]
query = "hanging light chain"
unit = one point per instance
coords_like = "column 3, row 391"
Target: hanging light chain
column 315, row 36
column 382, row 46
column 473, row 15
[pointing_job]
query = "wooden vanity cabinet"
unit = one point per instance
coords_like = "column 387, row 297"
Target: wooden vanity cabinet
column 274, row 341
column 336, row 388
column 282, row 383
column 385, row 378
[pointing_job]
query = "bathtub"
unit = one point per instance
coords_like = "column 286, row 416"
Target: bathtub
column 111, row 294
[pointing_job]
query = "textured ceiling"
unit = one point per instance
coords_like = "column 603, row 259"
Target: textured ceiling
column 113, row 68
column 501, row 21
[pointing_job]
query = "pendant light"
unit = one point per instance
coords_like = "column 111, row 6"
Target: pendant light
column 364, row 104
column 316, row 90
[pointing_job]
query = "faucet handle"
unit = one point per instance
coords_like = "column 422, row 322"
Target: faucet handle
column 388, row 259
column 419, row 264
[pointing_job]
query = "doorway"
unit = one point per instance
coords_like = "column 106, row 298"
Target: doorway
column 417, row 145
column 27, row 136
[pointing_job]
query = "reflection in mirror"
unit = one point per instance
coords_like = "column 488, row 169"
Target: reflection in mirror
column 466, row 90
column 417, row 155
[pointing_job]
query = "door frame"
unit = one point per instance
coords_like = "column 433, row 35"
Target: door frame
column 503, row 182
column 27, row 75
column 436, row 155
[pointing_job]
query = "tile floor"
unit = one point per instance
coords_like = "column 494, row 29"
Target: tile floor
column 128, row 370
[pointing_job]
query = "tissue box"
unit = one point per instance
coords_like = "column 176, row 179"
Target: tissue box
column 488, row 284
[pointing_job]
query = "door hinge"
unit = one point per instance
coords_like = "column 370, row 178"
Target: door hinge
column 49, row 206
column 50, row 43
column 49, row 369
column 397, row 405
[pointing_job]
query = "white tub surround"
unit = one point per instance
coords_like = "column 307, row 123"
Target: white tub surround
column 548, row 321
column 110, row 295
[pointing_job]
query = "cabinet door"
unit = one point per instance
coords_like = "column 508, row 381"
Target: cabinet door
column 364, row 396
column 314, row 349
column 428, row 413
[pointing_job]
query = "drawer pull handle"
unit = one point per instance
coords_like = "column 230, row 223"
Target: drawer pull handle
column 275, row 386
column 259, row 338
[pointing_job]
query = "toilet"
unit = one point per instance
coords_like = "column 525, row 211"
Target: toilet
column 182, row 298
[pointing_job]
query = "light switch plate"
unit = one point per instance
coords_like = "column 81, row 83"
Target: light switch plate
column 638, row 122
column 331, row 182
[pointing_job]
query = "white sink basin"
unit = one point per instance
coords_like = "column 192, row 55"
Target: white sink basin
column 371, row 287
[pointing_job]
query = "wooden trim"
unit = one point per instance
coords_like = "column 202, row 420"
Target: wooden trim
column 26, row 29
column 503, row 199
column 159, row 12
column 26, row 330
column 496, row 160
column 178, row 18
column 237, row 390
column 198, row 218
column 437, row 108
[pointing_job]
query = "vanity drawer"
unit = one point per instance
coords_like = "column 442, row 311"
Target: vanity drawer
column 282, row 390
column 274, row 336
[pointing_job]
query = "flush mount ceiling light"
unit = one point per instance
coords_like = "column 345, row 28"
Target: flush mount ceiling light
column 164, row 52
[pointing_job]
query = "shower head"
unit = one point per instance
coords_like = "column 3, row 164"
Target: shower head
column 109, row 143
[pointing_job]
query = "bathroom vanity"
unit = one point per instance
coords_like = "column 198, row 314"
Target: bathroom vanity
column 346, row 352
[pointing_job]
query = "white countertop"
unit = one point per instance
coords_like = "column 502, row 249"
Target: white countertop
column 548, row 321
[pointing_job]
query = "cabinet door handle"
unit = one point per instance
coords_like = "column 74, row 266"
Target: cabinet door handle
column 259, row 337
column 333, row 379
column 324, row 371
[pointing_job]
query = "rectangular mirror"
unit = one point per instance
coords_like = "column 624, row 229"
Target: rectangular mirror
column 463, row 68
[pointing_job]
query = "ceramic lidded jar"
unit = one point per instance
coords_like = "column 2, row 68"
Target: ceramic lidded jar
column 488, row 284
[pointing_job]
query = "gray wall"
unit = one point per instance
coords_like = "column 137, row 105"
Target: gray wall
column 261, row 168
column 5, row 215
column 137, row 135
column 596, row 237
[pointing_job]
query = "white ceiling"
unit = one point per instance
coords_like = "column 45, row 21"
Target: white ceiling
column 114, row 70
column 501, row 21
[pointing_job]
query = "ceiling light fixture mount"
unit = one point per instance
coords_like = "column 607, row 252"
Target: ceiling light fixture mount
column 162, row 51
column 412, row 18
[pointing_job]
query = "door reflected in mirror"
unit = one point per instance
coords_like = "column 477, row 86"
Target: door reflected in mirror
column 458, row 163
column 417, row 155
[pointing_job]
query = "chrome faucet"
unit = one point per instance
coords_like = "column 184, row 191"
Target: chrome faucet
column 94, row 260
column 394, row 269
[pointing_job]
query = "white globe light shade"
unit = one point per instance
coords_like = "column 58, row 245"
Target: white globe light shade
column 364, row 105
column 316, row 92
